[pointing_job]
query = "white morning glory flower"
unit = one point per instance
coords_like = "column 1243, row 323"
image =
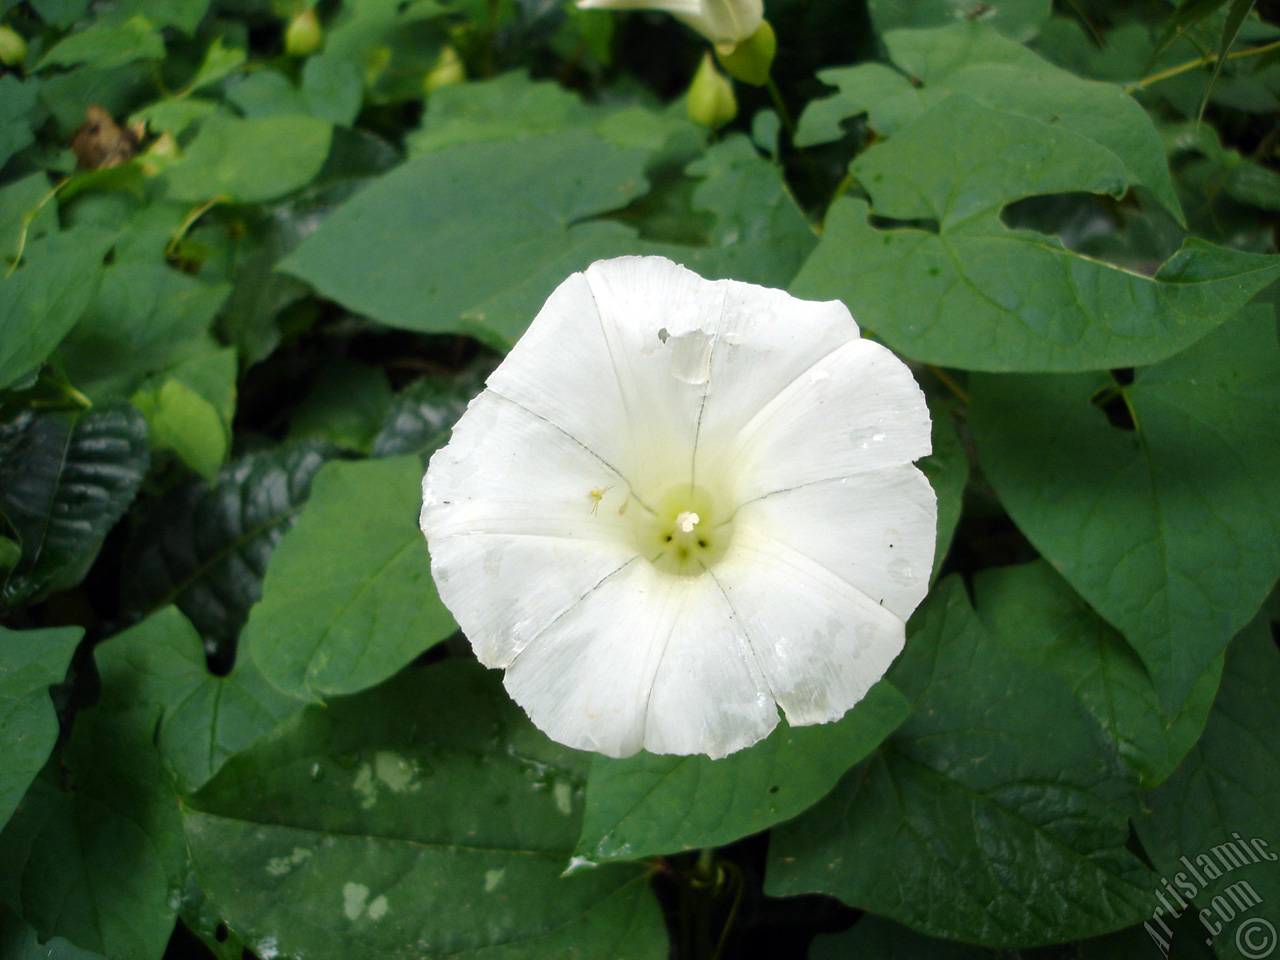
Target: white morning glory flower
column 681, row 504
column 726, row 23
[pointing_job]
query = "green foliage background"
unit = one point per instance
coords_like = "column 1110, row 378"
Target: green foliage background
column 243, row 304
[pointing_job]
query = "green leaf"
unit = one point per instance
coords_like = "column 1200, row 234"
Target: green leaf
column 250, row 160
column 426, row 246
column 332, row 89
column 760, row 235
column 265, row 93
column 204, row 719
column 60, row 13
column 31, row 661
column 10, row 554
column 106, row 863
column 427, row 815
column 145, row 319
column 345, row 405
column 189, row 411
column 68, row 95
column 999, row 806
column 977, row 295
column 219, row 61
column 183, row 14
column 975, row 60
column 387, row 41
column 106, row 45
column 1019, row 19
column 947, row 469
column 65, row 479
column 205, row 545
column 25, row 211
column 348, row 598
column 506, row 107
column 201, row 918
column 650, row 804
column 1240, row 178
column 1168, row 530
column 17, row 98
column 1237, row 11
column 1187, row 14
column 1038, row 616
column 423, row 413
column 43, row 298
column 1213, row 825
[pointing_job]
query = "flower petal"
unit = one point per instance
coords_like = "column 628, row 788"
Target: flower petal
column 586, row 366
column 875, row 531
column 671, row 361
column 516, row 536
column 645, row 660
column 855, row 411
column 821, row 643
column 726, row 22
column 508, row 470
column 687, row 7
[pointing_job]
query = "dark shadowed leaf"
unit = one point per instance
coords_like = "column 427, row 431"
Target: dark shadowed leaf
column 65, row 479
column 205, row 546
column 423, row 413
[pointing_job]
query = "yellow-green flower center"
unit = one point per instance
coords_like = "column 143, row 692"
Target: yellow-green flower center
column 688, row 531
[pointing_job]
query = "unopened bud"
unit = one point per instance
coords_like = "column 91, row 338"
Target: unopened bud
column 304, row 35
column 710, row 101
column 13, row 49
column 448, row 71
column 750, row 60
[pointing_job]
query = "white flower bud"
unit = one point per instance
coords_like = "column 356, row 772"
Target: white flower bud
column 710, row 101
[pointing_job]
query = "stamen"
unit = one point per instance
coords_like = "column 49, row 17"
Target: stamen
column 687, row 521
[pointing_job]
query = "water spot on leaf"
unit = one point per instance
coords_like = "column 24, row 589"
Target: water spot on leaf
column 563, row 792
column 364, row 786
column 279, row 866
column 354, row 896
column 400, row 775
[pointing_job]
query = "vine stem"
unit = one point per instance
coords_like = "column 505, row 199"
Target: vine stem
column 780, row 105
column 27, row 219
column 171, row 247
column 1198, row 62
